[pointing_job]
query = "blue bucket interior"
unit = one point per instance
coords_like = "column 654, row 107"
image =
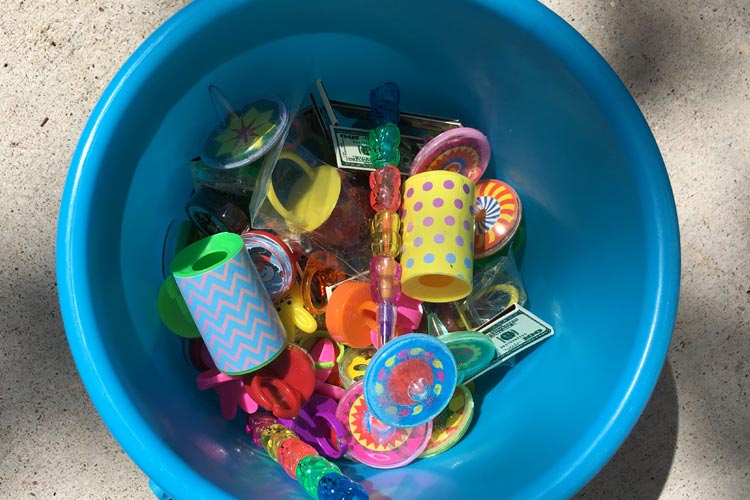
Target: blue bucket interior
column 601, row 262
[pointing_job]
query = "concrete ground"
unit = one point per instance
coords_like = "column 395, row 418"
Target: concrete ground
column 687, row 65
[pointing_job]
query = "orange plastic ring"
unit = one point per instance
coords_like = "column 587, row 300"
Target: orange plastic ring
column 351, row 314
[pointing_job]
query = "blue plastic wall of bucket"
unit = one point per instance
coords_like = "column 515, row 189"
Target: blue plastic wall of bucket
column 601, row 262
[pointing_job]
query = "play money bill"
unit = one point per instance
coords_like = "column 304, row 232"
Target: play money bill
column 352, row 146
column 513, row 333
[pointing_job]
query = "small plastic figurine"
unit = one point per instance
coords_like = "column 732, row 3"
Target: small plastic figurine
column 384, row 142
column 384, row 102
column 385, row 185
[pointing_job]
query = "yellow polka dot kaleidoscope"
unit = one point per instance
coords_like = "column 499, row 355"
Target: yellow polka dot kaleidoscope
column 438, row 236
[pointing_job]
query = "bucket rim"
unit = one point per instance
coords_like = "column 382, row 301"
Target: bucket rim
column 172, row 473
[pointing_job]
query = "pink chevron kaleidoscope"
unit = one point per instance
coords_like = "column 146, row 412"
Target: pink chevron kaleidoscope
column 235, row 315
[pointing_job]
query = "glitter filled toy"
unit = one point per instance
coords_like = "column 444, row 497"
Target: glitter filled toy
column 320, row 478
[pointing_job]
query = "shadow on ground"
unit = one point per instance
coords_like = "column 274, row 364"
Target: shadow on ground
column 640, row 467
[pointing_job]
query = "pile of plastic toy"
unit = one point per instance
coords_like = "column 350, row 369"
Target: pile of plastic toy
column 338, row 277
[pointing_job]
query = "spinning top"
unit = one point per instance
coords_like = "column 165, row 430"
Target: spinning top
column 463, row 150
column 473, row 351
column 373, row 442
column 497, row 215
column 410, row 380
column 243, row 135
column 450, row 426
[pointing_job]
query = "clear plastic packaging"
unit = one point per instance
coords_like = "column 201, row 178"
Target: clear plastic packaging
column 242, row 139
column 497, row 285
column 304, row 199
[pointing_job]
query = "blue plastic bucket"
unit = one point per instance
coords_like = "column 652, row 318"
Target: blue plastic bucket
column 601, row 262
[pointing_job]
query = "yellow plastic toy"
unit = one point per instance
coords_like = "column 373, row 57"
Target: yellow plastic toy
column 293, row 313
column 313, row 196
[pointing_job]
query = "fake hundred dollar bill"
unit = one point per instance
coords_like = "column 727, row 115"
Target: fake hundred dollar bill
column 513, row 333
